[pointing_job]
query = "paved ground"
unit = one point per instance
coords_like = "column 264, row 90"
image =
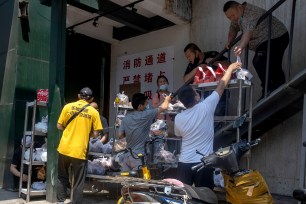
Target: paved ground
column 102, row 196
column 8, row 197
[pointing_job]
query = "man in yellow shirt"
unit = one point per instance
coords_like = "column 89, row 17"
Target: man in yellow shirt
column 74, row 144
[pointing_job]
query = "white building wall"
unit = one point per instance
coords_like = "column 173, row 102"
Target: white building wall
column 278, row 156
column 176, row 36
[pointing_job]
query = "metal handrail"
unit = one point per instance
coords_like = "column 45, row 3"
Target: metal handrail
column 268, row 13
column 263, row 17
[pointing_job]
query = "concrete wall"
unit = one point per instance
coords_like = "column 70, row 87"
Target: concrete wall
column 26, row 70
column 209, row 29
column 8, row 61
column 278, row 156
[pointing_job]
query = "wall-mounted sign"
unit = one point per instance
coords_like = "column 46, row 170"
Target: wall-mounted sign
column 144, row 68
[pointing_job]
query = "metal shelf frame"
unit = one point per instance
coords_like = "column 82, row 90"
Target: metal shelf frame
column 28, row 191
column 117, row 108
column 240, row 85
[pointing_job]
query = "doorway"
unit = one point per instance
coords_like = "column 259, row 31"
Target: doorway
column 87, row 65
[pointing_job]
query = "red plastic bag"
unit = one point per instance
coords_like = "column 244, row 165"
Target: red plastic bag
column 210, row 75
column 204, row 75
column 219, row 72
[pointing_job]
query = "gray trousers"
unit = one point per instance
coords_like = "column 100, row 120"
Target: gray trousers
column 78, row 170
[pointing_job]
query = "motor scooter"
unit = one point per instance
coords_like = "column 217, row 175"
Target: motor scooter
column 147, row 190
column 241, row 185
column 300, row 195
column 227, row 158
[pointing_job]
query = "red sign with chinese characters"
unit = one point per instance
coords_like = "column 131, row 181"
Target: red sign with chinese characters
column 145, row 67
column 42, row 95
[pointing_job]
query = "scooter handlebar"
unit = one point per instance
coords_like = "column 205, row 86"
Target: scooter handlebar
column 254, row 142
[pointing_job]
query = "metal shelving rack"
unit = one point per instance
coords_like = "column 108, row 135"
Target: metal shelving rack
column 105, row 179
column 117, row 108
column 240, row 85
column 28, row 191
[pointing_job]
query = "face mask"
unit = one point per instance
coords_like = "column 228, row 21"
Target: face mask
column 196, row 61
column 148, row 107
column 163, row 87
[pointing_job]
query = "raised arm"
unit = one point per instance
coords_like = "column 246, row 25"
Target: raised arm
column 230, row 37
column 164, row 105
column 227, row 76
column 190, row 75
column 243, row 42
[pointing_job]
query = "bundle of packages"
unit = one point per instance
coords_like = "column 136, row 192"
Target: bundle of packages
column 159, row 128
column 122, row 100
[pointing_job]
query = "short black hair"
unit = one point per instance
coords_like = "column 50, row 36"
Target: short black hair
column 230, row 4
column 138, row 99
column 192, row 47
column 187, row 96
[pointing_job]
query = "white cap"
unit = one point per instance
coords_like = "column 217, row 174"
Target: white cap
column 28, row 141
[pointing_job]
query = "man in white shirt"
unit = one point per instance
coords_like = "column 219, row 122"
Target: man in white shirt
column 196, row 127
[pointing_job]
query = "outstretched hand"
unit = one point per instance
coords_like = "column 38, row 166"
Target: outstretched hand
column 237, row 50
column 234, row 66
column 168, row 98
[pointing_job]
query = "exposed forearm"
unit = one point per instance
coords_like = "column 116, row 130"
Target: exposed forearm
column 231, row 36
column 190, row 75
column 104, row 138
column 14, row 171
column 95, row 133
column 60, row 126
column 17, row 173
column 245, row 40
column 156, row 102
column 164, row 105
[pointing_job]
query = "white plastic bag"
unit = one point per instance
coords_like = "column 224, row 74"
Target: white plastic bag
column 243, row 74
column 40, row 185
column 159, row 128
column 218, row 178
column 37, row 154
column 27, row 155
column 44, row 156
column 120, row 144
column 43, row 125
column 107, row 148
column 122, row 100
column 97, row 166
column 164, row 156
column 95, row 145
